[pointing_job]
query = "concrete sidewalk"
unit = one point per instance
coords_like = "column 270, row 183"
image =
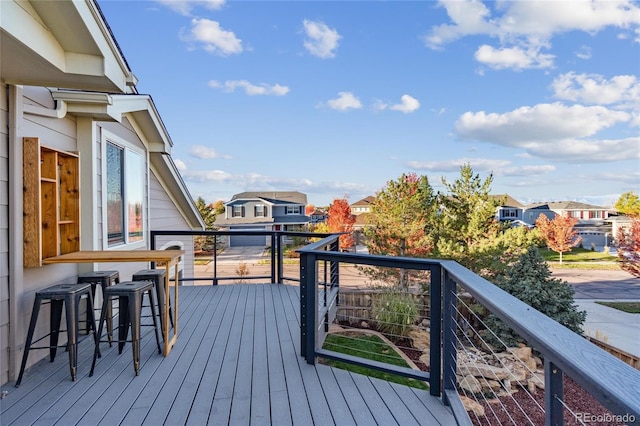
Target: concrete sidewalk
column 617, row 328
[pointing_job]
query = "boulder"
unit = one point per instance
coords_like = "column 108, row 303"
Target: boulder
column 472, row 406
column 425, row 359
column 470, row 384
column 521, row 353
column 421, row 339
column 484, row 370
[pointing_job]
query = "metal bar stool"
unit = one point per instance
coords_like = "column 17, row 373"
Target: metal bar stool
column 157, row 276
column 130, row 295
column 58, row 295
column 104, row 279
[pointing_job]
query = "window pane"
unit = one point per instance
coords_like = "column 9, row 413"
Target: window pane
column 134, row 189
column 115, row 195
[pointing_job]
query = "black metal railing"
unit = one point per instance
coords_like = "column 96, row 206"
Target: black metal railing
column 612, row 382
column 276, row 244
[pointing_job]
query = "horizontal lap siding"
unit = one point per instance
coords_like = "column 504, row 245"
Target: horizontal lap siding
column 165, row 215
column 4, row 235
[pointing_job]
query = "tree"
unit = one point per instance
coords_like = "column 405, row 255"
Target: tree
column 467, row 224
column 400, row 224
column 218, row 208
column 559, row 233
column 309, row 209
column 628, row 246
column 341, row 220
column 401, row 217
column 529, row 279
column 208, row 214
column 629, row 204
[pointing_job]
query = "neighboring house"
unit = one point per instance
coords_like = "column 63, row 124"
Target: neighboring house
column 362, row 206
column 361, row 210
column 318, row 216
column 510, row 210
column 84, row 159
column 585, row 213
column 263, row 211
column 593, row 226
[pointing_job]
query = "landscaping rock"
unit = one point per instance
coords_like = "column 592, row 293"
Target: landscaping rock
column 420, row 339
column 484, row 370
column 472, row 406
column 470, row 384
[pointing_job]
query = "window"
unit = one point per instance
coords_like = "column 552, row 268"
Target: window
column 293, row 209
column 260, row 211
column 124, row 194
column 237, row 211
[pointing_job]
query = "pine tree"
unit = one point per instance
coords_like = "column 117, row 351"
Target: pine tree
column 530, row 280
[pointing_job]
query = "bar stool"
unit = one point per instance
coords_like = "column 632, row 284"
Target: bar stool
column 130, row 295
column 104, row 279
column 157, row 276
column 68, row 295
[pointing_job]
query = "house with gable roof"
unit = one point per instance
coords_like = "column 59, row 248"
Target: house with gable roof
column 263, row 211
column 85, row 160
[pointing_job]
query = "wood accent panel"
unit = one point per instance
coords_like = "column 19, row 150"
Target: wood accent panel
column 51, row 202
column 31, row 202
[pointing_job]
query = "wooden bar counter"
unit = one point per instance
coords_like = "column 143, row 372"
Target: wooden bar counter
column 167, row 258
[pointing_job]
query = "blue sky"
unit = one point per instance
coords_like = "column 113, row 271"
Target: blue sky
column 335, row 98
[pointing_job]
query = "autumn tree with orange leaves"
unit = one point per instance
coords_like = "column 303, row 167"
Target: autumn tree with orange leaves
column 559, row 233
column 628, row 246
column 341, row 220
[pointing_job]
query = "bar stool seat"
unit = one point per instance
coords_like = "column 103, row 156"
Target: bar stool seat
column 104, row 279
column 130, row 295
column 157, row 276
column 58, row 295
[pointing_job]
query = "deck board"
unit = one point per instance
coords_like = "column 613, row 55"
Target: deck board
column 237, row 361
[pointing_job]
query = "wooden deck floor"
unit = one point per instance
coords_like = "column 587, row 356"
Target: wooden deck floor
column 236, row 362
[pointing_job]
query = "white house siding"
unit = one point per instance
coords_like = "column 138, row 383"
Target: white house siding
column 164, row 215
column 4, row 235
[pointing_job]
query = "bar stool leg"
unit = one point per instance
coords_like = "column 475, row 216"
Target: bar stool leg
column 155, row 322
column 27, row 346
column 96, row 351
column 124, row 321
column 134, row 308
column 72, row 330
column 55, row 320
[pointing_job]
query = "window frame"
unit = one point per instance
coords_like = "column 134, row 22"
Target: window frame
column 127, row 147
column 292, row 210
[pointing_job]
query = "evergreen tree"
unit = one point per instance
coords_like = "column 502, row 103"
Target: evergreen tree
column 467, row 223
column 529, row 279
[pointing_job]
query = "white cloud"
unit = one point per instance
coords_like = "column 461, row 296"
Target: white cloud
column 321, row 40
column 584, row 52
column 538, row 123
column 526, row 170
column 345, row 101
column 184, row 7
column 513, row 57
column 478, row 164
column 250, row 88
column 205, row 153
column 521, row 26
column 213, row 37
column 595, row 89
column 407, row 104
column 553, row 131
column 180, row 165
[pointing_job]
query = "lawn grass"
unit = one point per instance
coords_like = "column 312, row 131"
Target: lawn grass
column 373, row 348
column 577, row 255
column 630, row 307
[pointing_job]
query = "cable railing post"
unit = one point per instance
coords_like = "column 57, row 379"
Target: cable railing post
column 215, row 260
column 435, row 330
column 553, row 394
column 308, row 307
column 274, row 247
column 280, row 257
column 449, row 335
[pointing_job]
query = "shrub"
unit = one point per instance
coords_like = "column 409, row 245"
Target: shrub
column 530, row 281
column 395, row 312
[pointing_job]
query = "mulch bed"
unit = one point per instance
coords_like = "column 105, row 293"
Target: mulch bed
column 511, row 410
